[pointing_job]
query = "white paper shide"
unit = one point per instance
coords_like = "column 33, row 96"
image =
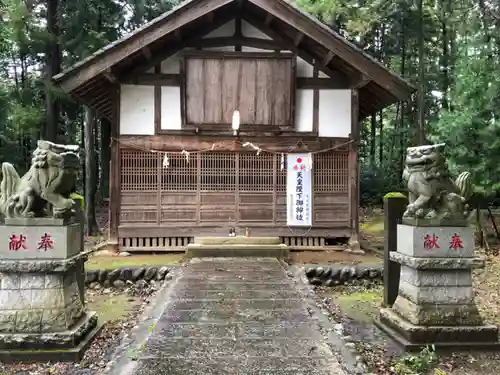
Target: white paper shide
column 298, row 189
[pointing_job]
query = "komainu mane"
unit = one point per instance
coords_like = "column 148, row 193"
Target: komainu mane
column 50, row 178
column 433, row 195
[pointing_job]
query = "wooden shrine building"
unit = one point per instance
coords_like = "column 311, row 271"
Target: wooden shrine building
column 170, row 90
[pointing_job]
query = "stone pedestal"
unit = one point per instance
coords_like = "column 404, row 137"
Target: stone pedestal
column 42, row 306
column 435, row 303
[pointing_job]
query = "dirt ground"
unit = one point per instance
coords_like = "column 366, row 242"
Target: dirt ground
column 332, row 256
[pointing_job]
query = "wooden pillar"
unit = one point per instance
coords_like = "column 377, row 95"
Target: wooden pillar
column 394, row 207
column 114, row 176
column 354, row 174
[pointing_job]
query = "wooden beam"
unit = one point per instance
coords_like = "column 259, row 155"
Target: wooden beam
column 321, row 83
column 176, row 47
column 151, row 79
column 354, row 172
column 162, row 79
column 157, row 102
column 236, row 55
column 226, row 142
column 329, row 56
column 238, row 41
column 164, row 25
column 298, row 39
column 347, row 51
column 290, row 46
column 114, row 175
column 146, row 51
column 316, row 102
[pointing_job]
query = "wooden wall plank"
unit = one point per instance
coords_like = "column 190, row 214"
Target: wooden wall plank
column 264, row 93
column 248, row 92
column 282, row 77
column 230, row 79
column 194, row 91
column 213, row 91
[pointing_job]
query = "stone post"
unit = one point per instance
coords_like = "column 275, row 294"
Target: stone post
column 42, row 308
column 435, row 304
column 394, row 207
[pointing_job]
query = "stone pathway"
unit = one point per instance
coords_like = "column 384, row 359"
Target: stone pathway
column 235, row 316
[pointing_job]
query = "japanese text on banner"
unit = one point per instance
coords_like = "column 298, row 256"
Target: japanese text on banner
column 299, row 173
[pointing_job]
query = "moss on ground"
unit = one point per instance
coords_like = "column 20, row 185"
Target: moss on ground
column 374, row 226
column 360, row 306
column 112, row 262
column 112, row 307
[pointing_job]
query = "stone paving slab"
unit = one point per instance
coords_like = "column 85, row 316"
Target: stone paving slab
column 241, row 317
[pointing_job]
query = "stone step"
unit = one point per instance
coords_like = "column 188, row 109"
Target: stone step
column 255, row 293
column 222, row 316
column 237, row 250
column 232, row 286
column 162, row 346
column 236, row 304
column 240, row 330
column 236, row 366
column 237, row 240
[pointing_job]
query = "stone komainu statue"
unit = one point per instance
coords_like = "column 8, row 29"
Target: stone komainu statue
column 433, row 195
column 51, row 179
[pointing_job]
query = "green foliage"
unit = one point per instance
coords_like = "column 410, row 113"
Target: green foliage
column 416, row 364
column 374, row 181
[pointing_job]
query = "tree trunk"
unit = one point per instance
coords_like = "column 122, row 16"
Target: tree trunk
column 105, row 157
column 373, row 140
column 445, row 58
column 53, row 66
column 381, row 138
column 421, row 74
column 90, row 171
column 403, row 104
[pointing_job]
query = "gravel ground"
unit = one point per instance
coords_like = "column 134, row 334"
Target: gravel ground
column 98, row 354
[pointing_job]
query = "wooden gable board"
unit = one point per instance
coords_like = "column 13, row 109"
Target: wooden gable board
column 189, row 11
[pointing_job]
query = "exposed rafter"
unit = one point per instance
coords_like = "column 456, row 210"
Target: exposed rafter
column 329, row 56
column 361, row 82
column 146, row 51
column 298, row 39
column 110, row 76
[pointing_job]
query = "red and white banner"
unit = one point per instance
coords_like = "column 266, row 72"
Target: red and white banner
column 298, row 190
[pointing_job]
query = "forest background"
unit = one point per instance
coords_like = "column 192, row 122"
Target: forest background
column 449, row 49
